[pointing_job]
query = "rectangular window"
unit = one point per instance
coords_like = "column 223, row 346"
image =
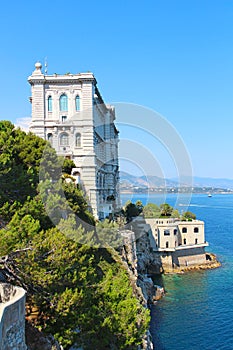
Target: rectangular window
column 166, row 232
column 63, row 118
column 184, row 240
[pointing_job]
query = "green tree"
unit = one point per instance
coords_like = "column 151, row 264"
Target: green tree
column 139, row 205
column 151, row 210
column 189, row 215
column 166, row 209
column 68, row 165
column 83, row 294
column 20, row 155
column 131, row 211
column 108, row 234
column 175, row 213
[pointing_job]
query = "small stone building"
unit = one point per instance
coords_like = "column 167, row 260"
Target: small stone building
column 178, row 243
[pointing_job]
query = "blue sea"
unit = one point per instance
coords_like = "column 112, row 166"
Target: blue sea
column 197, row 311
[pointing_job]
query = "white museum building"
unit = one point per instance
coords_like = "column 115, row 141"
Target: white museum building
column 69, row 112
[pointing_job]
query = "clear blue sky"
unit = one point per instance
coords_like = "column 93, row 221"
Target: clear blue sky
column 174, row 56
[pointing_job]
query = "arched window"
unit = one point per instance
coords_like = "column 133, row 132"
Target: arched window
column 50, row 104
column 77, row 103
column 64, row 139
column 184, row 230
column 196, row 229
column 63, row 103
column 50, row 138
column 78, row 140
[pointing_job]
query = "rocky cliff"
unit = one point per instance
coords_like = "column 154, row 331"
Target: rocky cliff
column 139, row 259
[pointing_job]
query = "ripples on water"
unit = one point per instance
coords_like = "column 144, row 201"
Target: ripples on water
column 197, row 311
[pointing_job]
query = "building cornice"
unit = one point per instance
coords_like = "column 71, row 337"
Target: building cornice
column 62, row 79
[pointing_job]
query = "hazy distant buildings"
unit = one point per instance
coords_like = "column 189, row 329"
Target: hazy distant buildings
column 69, row 112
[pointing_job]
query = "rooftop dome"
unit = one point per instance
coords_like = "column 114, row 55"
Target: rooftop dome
column 38, row 65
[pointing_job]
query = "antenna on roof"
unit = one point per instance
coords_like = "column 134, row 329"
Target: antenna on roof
column 46, row 66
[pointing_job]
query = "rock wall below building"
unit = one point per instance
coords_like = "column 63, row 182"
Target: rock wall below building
column 140, row 260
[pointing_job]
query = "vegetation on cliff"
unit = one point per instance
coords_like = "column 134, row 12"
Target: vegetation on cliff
column 82, row 294
column 152, row 210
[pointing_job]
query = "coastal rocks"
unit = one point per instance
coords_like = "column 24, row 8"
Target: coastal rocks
column 160, row 292
column 147, row 342
column 150, row 291
column 211, row 263
column 143, row 286
column 147, row 286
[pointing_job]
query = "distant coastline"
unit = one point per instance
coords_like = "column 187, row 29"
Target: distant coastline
column 175, row 191
column 153, row 184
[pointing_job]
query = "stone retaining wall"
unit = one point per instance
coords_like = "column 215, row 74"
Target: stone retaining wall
column 12, row 317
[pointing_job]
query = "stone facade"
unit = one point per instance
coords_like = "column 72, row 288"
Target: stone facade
column 12, row 318
column 178, row 243
column 68, row 111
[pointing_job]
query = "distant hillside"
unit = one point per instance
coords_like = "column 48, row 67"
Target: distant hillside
column 129, row 180
column 212, row 182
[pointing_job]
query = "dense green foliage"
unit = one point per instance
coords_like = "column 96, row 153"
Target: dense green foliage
column 166, row 209
column 188, row 215
column 152, row 210
column 132, row 210
column 68, row 165
column 20, row 155
column 83, row 293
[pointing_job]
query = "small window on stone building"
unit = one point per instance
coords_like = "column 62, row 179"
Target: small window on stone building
column 166, row 232
column 196, row 241
column 167, row 244
column 78, row 140
column 63, row 118
column 64, row 139
column 50, row 138
column 184, row 240
column 175, row 231
column 196, row 229
column 184, row 229
column 50, row 104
